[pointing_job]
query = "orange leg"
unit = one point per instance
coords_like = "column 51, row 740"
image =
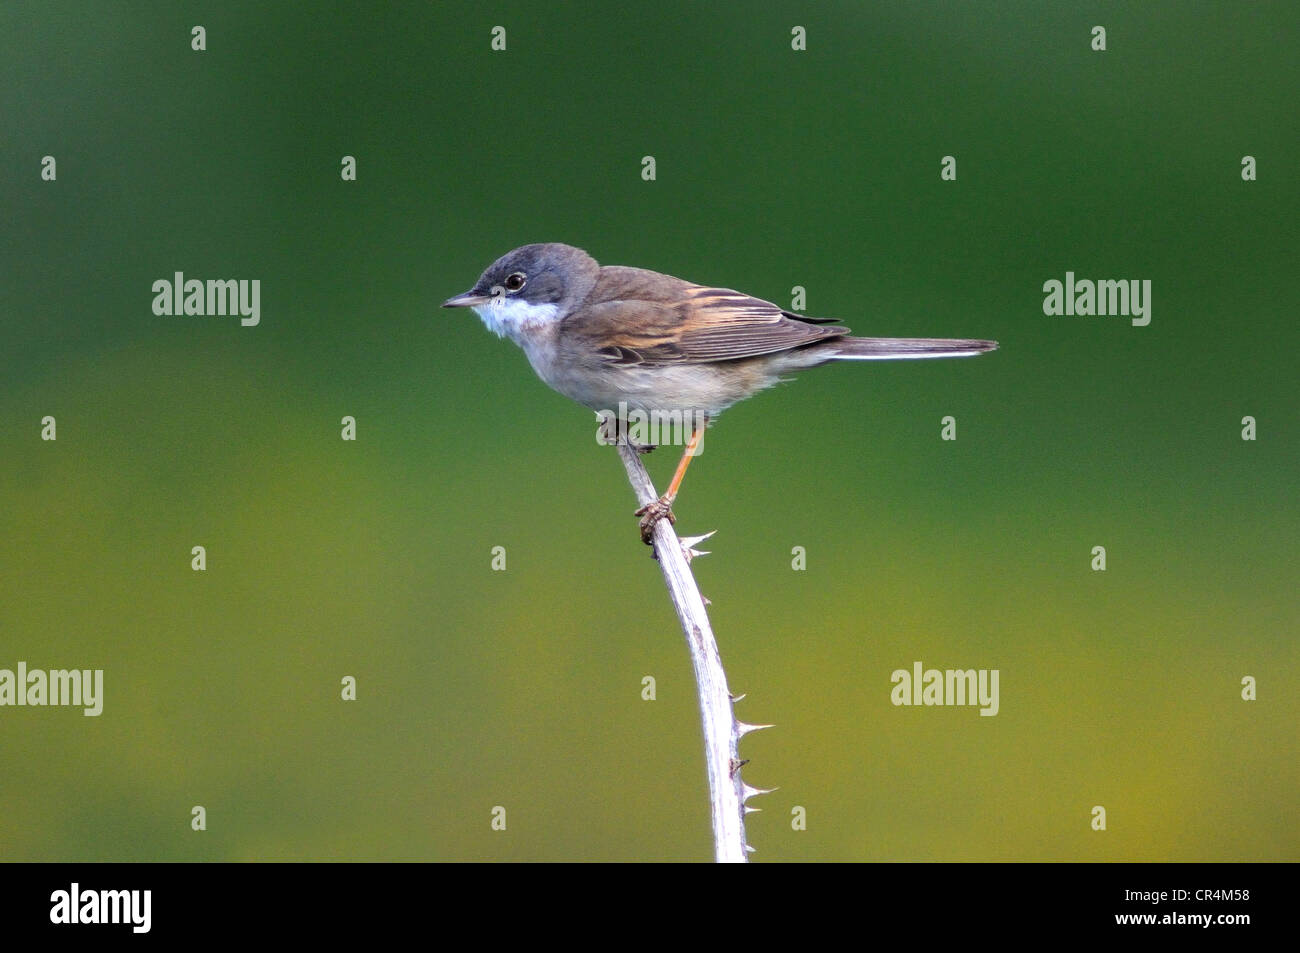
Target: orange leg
column 662, row 508
column 692, row 448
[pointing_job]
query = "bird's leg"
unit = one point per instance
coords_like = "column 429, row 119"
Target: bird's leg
column 607, row 430
column 662, row 508
column 641, row 448
column 610, row 433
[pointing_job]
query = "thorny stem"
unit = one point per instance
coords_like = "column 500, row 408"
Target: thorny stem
column 721, row 729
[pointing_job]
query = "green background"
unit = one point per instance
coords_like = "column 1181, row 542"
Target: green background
column 522, row 688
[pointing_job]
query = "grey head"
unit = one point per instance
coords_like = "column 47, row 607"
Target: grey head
column 533, row 276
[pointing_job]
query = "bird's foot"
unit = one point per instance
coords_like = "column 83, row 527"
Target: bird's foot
column 609, row 433
column 651, row 514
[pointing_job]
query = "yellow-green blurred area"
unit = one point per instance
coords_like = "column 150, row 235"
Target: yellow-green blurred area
column 523, row 688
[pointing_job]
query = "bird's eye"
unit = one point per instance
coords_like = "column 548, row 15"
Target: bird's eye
column 515, row 281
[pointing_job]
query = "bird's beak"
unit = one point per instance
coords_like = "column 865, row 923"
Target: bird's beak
column 468, row 300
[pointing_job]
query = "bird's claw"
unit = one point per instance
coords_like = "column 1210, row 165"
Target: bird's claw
column 651, row 514
column 610, row 434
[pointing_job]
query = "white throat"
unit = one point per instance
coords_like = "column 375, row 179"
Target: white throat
column 514, row 318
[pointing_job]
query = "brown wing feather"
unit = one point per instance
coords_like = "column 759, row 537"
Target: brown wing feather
column 640, row 317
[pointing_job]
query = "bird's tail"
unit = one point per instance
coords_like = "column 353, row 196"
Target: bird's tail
column 892, row 349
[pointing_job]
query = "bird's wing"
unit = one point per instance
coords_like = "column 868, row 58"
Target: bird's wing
column 660, row 321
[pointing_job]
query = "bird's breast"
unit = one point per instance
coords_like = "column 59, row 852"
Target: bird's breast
column 683, row 388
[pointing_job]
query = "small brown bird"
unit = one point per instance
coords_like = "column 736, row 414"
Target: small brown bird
column 611, row 337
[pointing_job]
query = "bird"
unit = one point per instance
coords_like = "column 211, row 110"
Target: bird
column 614, row 336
